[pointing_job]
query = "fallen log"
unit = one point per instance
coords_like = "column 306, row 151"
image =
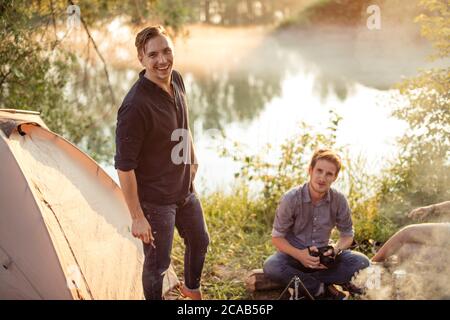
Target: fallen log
column 261, row 287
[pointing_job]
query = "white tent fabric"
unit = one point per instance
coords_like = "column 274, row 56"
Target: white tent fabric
column 64, row 224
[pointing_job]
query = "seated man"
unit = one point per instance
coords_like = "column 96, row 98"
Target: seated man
column 410, row 240
column 303, row 223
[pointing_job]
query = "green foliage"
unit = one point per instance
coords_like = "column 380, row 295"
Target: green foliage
column 171, row 13
column 37, row 73
column 174, row 13
column 328, row 12
column 290, row 170
column 421, row 174
column 239, row 12
column 361, row 190
column 435, row 25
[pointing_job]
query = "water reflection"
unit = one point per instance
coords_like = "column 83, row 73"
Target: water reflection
column 89, row 91
column 223, row 98
column 239, row 93
column 229, row 93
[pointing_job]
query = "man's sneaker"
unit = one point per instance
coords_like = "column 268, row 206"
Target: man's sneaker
column 352, row 289
column 333, row 293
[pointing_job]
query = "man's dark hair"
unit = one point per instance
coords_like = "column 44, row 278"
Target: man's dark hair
column 146, row 34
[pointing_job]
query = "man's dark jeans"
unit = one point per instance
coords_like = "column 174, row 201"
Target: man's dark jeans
column 281, row 267
column 190, row 223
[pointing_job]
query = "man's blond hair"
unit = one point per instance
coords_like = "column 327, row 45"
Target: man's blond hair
column 326, row 154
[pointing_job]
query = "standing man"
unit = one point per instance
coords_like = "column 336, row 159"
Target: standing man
column 156, row 165
column 303, row 223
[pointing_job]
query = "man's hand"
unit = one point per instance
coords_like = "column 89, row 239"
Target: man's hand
column 308, row 260
column 332, row 252
column 420, row 213
column 140, row 228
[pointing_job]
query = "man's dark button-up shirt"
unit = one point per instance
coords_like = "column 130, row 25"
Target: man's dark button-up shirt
column 145, row 143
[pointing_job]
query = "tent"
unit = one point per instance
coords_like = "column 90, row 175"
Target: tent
column 64, row 224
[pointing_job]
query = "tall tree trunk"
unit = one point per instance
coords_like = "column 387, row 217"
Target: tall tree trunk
column 250, row 16
column 207, row 17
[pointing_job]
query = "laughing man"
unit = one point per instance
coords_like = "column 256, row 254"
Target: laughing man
column 157, row 184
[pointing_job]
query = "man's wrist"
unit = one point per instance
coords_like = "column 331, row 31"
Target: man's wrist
column 336, row 250
column 299, row 254
column 137, row 215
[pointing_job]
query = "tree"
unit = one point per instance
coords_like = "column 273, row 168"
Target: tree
column 421, row 174
column 37, row 73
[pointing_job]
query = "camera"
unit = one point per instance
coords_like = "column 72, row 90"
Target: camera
column 327, row 261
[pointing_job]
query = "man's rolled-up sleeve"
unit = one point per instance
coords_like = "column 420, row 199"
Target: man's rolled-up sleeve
column 344, row 219
column 284, row 217
column 132, row 125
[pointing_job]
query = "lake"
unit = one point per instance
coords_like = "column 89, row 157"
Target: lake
column 256, row 86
